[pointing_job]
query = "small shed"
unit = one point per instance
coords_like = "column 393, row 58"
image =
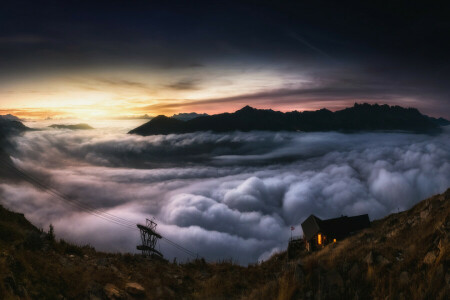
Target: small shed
column 318, row 233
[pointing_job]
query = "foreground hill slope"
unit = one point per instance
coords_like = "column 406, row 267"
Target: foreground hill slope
column 360, row 117
column 403, row 256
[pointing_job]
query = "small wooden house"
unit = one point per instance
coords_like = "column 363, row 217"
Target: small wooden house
column 318, row 233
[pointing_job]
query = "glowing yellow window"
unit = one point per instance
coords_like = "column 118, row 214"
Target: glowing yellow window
column 319, row 239
column 334, row 240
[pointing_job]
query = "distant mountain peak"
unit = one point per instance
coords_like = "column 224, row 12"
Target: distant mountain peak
column 360, row 117
column 81, row 126
column 9, row 117
column 246, row 108
column 188, row 116
column 161, row 117
column 10, row 125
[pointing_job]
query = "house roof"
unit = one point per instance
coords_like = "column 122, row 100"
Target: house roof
column 311, row 226
column 336, row 228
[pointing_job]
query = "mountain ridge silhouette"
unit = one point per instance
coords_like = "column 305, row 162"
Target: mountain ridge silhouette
column 360, row 117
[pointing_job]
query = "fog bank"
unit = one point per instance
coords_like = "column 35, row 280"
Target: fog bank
column 221, row 195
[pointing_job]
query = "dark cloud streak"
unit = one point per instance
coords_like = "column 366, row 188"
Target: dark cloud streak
column 185, row 84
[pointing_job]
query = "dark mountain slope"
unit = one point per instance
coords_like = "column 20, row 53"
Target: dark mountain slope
column 360, row 117
column 10, row 126
column 440, row 121
column 160, row 124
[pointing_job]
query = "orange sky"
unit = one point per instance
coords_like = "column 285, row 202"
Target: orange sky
column 123, row 93
column 133, row 93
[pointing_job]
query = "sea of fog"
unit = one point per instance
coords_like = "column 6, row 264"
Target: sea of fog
column 228, row 195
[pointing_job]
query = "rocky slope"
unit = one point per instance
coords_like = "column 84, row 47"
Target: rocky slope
column 403, row 256
column 360, row 117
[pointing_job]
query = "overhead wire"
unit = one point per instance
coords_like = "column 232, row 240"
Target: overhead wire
column 179, row 247
column 85, row 207
column 80, row 205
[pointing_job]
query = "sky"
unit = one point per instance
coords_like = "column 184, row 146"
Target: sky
column 112, row 59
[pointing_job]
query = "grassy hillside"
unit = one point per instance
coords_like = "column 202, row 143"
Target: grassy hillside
column 403, row 256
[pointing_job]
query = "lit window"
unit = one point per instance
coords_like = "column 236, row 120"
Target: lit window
column 319, row 239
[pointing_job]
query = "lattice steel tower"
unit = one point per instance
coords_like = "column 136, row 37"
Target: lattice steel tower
column 149, row 238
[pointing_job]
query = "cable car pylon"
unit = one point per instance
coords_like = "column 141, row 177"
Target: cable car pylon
column 149, row 238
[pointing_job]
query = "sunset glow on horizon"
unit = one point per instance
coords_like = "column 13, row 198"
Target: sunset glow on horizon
column 103, row 95
column 138, row 94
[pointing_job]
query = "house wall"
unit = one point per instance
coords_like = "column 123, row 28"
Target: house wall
column 313, row 244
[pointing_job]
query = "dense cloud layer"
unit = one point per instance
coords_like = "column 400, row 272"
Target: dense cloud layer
column 222, row 195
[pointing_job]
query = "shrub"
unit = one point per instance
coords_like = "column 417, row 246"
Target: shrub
column 33, row 241
column 8, row 234
column 51, row 234
column 68, row 248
